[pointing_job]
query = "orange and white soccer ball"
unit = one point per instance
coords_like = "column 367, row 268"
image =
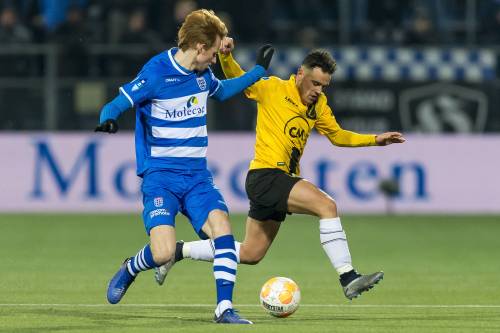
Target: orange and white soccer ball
column 280, row 296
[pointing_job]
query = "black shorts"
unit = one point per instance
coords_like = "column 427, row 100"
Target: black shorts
column 268, row 191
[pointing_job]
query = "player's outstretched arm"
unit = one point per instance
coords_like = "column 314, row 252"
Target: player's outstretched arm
column 388, row 138
column 229, row 66
column 110, row 112
column 231, row 87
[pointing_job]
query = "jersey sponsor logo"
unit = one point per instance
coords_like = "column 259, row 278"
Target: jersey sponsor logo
column 172, row 79
column 189, row 110
column 184, row 113
column 139, row 85
column 158, row 201
column 289, row 100
column 159, row 212
column 193, row 100
column 180, row 108
column 297, row 128
column 201, row 83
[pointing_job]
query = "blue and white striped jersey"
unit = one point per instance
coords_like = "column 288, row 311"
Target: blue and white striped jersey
column 171, row 114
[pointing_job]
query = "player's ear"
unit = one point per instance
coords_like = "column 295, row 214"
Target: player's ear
column 300, row 73
column 200, row 47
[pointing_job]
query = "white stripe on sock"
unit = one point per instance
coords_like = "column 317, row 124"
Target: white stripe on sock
column 139, row 262
column 129, row 268
column 221, row 275
column 222, row 306
column 221, row 251
column 226, row 262
column 143, row 260
column 136, row 264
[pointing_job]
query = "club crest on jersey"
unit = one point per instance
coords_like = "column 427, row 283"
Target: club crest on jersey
column 158, row 201
column 139, row 85
column 201, row 83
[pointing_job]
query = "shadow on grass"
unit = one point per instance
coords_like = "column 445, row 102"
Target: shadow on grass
column 106, row 319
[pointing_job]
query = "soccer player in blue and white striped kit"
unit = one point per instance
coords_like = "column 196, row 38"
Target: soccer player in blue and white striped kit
column 170, row 96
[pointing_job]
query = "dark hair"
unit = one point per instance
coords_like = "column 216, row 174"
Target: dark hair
column 322, row 59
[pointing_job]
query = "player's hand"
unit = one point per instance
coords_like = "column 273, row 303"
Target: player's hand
column 388, row 138
column 226, row 45
column 109, row 126
column 264, row 55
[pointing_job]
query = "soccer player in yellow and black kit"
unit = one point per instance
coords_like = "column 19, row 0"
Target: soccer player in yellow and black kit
column 288, row 110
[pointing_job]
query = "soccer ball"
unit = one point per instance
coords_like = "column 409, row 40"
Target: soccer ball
column 280, row 296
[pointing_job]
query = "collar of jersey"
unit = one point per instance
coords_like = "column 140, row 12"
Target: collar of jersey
column 179, row 68
column 293, row 87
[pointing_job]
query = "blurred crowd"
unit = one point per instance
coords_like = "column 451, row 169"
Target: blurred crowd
column 151, row 25
column 301, row 22
column 123, row 34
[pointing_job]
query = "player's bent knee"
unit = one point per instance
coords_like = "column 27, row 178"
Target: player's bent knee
column 217, row 224
column 161, row 254
column 328, row 208
column 252, row 258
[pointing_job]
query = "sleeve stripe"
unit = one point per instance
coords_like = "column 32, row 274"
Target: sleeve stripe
column 126, row 95
column 218, row 86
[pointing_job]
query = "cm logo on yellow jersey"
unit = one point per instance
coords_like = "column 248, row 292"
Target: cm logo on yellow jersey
column 297, row 128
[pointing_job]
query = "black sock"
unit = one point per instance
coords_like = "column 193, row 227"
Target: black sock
column 178, row 251
column 348, row 277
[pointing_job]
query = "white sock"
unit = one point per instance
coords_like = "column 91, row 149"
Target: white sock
column 334, row 242
column 204, row 250
column 223, row 306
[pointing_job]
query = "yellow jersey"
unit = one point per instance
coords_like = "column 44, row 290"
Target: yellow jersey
column 284, row 123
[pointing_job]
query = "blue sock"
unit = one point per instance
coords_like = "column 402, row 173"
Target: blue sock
column 142, row 261
column 225, row 266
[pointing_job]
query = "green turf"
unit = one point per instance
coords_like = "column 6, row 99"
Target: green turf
column 442, row 275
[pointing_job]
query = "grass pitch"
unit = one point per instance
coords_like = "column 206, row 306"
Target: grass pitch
column 442, row 275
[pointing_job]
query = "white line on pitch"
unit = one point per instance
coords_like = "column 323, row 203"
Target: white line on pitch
column 257, row 305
